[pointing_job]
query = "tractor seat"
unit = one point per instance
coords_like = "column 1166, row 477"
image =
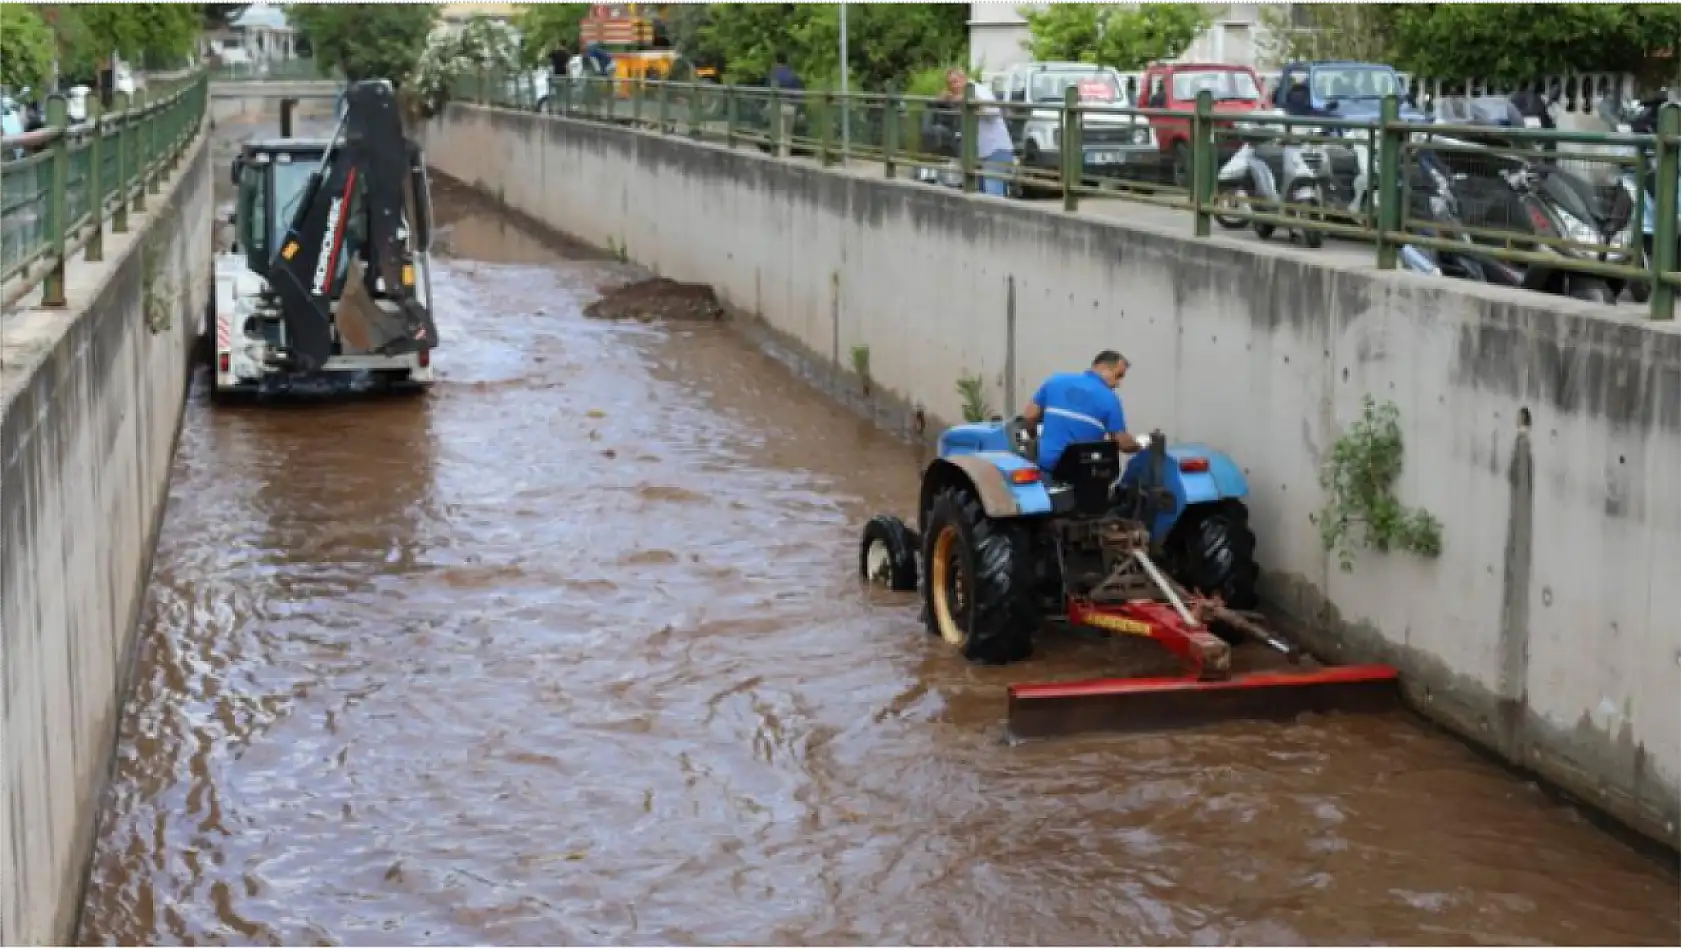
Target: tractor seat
column 1085, row 474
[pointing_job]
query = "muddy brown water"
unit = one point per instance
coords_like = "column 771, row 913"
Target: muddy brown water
column 571, row 652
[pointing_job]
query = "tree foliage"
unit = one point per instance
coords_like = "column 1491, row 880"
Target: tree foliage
column 26, row 48
column 885, row 42
column 1126, row 37
column 154, row 35
column 366, row 40
column 1503, row 42
column 547, row 26
column 1362, row 32
column 1522, row 41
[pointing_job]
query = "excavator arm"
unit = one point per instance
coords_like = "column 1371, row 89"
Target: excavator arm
column 345, row 272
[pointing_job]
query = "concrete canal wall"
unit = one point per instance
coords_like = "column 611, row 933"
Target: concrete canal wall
column 1542, row 432
column 93, row 398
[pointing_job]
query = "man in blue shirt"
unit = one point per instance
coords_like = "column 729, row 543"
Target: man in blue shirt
column 1082, row 407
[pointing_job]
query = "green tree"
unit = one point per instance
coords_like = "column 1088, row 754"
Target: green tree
column 366, row 40
column 885, row 42
column 546, row 26
column 153, row 35
column 1362, row 32
column 1123, row 36
column 1523, row 41
column 26, row 48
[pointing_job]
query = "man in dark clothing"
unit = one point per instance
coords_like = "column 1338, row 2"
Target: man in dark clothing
column 782, row 76
column 558, row 59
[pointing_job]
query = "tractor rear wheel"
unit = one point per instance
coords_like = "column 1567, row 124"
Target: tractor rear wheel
column 978, row 585
column 888, row 554
column 1213, row 551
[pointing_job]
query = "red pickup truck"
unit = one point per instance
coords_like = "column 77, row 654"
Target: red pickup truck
column 1176, row 85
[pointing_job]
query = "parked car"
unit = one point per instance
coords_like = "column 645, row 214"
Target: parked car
column 1236, row 89
column 1352, row 90
column 1114, row 145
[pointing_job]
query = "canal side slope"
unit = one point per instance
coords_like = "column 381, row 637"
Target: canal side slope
column 93, row 399
column 1542, row 432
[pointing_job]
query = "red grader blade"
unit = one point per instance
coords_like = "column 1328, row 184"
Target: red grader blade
column 1207, row 691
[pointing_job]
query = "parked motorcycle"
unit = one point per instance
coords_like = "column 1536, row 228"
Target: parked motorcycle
column 1530, row 195
column 1272, row 172
column 1639, row 118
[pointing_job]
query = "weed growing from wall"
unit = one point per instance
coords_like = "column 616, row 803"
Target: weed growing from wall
column 861, row 366
column 974, row 393
column 1359, row 478
column 158, row 292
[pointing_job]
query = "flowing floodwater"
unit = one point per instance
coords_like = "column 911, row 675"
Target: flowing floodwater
column 570, row 651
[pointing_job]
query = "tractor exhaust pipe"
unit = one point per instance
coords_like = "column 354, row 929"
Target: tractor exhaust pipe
column 286, row 107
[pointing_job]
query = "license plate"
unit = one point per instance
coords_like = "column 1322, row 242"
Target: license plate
column 1105, row 158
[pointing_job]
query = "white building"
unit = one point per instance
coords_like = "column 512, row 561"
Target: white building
column 998, row 36
column 259, row 34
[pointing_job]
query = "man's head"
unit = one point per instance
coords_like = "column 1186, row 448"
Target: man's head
column 956, row 81
column 1110, row 367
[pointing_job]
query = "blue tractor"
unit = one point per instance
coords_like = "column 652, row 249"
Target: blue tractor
column 1003, row 545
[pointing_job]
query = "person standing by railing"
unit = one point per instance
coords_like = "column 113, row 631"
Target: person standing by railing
column 782, row 77
column 993, row 147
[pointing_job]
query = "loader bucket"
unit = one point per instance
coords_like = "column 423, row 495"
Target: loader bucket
column 1039, row 710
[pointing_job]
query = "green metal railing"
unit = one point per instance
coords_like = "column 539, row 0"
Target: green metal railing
column 57, row 197
column 1392, row 212
column 280, row 70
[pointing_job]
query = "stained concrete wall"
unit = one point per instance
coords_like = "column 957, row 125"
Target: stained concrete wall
column 93, row 399
column 1543, row 432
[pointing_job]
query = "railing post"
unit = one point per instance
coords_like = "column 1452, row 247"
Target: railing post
column 481, row 90
column 95, row 250
column 119, row 216
column 890, row 130
column 826, row 139
column 1387, row 176
column 1071, row 152
column 776, row 124
column 730, row 116
column 1665, row 251
column 1202, row 153
column 58, row 119
column 141, row 158
column 695, row 110
column 154, row 167
column 665, row 105
column 967, row 143
column 639, row 90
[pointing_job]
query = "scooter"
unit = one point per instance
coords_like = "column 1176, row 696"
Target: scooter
column 1300, row 172
column 1528, row 196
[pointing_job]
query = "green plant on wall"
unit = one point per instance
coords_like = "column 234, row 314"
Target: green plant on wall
column 861, row 366
column 974, row 393
column 1359, row 478
column 157, row 292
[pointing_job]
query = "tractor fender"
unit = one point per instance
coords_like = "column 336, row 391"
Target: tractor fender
column 988, row 475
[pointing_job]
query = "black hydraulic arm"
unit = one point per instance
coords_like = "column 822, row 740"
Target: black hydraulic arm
column 354, row 206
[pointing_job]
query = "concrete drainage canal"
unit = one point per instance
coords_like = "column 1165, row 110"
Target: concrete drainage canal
column 571, row 652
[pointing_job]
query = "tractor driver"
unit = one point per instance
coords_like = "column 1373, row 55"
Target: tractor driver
column 1082, row 407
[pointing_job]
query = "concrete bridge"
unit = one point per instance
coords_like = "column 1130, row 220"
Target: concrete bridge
column 1543, row 432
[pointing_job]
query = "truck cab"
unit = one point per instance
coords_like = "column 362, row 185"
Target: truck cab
column 272, row 176
column 1236, row 89
column 1113, row 144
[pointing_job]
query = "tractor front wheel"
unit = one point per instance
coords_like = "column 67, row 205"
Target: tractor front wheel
column 888, row 554
column 1213, row 551
column 978, row 585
